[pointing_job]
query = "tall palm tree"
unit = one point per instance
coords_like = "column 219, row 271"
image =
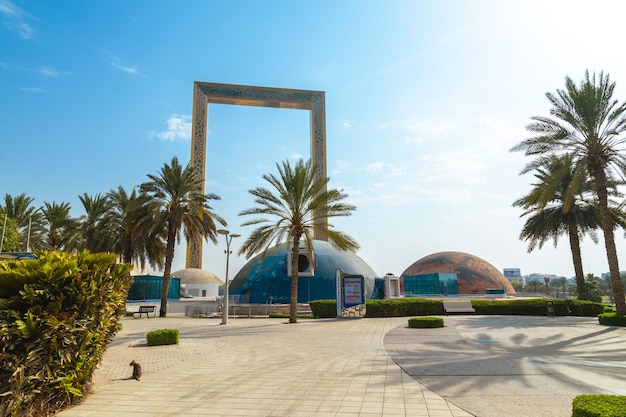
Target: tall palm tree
column 587, row 122
column 94, row 230
column 559, row 204
column 61, row 228
column 30, row 220
column 291, row 216
column 175, row 202
column 133, row 247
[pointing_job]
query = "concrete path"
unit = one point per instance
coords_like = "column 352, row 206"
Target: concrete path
column 476, row 366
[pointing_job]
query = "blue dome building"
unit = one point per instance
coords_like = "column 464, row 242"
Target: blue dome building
column 265, row 277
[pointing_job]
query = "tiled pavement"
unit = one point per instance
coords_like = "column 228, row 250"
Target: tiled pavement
column 339, row 368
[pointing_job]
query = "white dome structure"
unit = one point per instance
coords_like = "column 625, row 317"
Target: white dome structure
column 197, row 282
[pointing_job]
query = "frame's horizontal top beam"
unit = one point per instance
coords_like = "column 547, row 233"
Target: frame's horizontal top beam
column 244, row 95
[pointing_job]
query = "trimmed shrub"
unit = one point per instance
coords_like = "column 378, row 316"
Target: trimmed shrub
column 584, row 308
column 58, row 313
column 402, row 307
column 612, row 319
column 600, row 405
column 163, row 337
column 323, row 308
column 425, row 322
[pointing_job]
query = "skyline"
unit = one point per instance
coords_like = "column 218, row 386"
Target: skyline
column 424, row 100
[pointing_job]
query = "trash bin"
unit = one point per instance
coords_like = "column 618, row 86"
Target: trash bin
column 549, row 308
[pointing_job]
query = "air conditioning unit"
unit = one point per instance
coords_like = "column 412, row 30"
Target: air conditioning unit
column 306, row 262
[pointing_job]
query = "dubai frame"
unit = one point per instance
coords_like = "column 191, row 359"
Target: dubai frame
column 244, row 95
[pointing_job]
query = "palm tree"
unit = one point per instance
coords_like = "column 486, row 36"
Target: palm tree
column 95, row 232
column 61, row 228
column 291, row 216
column 30, row 220
column 133, row 247
column 563, row 284
column 559, row 204
column 588, row 123
column 175, row 202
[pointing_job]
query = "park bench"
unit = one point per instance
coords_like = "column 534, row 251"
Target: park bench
column 144, row 310
column 458, row 307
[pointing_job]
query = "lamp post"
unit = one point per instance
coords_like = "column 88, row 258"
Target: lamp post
column 229, row 237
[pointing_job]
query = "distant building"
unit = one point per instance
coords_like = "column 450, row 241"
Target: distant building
column 513, row 274
column 538, row 277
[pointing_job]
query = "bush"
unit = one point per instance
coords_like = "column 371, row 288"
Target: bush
column 324, row 308
column 612, row 319
column 425, row 322
column 163, row 337
column 598, row 405
column 402, row 307
column 58, row 313
column 584, row 308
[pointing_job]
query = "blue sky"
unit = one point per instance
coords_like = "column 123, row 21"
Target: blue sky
column 424, row 100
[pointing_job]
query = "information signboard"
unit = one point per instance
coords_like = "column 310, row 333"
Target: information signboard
column 353, row 294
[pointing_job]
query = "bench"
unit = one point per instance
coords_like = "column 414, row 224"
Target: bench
column 458, row 307
column 144, row 310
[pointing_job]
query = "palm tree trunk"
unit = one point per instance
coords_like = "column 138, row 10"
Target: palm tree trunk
column 574, row 243
column 169, row 256
column 599, row 177
column 293, row 303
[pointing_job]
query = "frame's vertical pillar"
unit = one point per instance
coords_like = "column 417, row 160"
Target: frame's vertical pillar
column 318, row 152
column 198, row 161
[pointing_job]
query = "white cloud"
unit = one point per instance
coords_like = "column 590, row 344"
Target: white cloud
column 178, row 129
column 32, row 89
column 124, row 68
column 51, row 72
column 14, row 19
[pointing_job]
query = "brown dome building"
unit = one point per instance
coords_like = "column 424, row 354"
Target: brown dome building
column 474, row 275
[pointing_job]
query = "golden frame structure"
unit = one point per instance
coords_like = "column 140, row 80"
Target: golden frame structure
column 244, row 95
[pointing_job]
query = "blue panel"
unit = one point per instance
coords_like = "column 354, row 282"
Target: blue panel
column 148, row 287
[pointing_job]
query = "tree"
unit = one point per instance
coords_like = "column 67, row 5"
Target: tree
column 562, row 281
column 174, row 203
column 10, row 235
column 94, row 230
column 291, row 216
column 587, row 122
column 61, row 228
column 132, row 246
column 30, row 221
column 559, row 204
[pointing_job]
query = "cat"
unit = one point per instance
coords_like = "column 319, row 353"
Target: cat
column 136, row 370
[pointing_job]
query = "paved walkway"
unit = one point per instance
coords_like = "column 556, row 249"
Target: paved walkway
column 476, row 366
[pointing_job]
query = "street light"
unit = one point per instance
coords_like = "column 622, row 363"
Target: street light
column 229, row 237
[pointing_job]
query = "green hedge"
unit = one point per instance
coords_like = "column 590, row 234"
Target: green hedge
column 58, row 313
column 323, row 308
column 163, row 337
column 425, row 322
column 598, row 405
column 612, row 319
column 402, row 307
column 537, row 307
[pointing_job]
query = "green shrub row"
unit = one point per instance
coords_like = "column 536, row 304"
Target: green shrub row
column 425, row 322
column 612, row 319
column 323, row 308
column 163, row 337
column 402, row 307
column 537, row 307
column 599, row 405
column 58, row 313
